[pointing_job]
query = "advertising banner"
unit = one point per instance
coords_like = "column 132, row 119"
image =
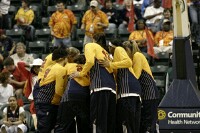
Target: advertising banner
column 180, row 118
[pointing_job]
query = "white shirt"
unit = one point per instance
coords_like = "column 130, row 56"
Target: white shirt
column 27, row 59
column 21, row 110
column 4, row 6
column 135, row 2
column 151, row 11
column 34, row 80
column 5, row 93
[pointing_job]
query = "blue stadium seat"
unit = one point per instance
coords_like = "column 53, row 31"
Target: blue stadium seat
column 38, row 18
column 159, row 70
column 29, row 121
column 45, row 21
column 163, row 59
column 111, row 33
column 123, row 34
column 16, row 34
column 50, row 10
column 43, row 34
column 15, row 3
column 78, row 10
column 118, row 7
column 37, row 47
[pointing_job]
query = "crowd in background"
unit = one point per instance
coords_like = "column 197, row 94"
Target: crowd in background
column 109, row 88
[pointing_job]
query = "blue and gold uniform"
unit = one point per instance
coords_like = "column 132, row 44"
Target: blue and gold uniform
column 129, row 91
column 102, row 88
column 47, row 62
column 77, row 88
column 127, row 83
column 75, row 102
column 150, row 93
column 100, row 77
column 145, row 77
column 52, row 85
column 48, row 91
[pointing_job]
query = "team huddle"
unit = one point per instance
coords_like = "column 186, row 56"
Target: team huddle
column 108, row 89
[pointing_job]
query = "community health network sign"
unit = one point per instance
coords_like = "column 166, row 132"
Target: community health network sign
column 179, row 118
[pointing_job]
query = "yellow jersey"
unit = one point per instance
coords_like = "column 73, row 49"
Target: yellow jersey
column 47, row 62
column 53, row 80
column 27, row 15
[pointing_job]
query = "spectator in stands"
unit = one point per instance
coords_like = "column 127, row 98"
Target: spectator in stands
column 194, row 11
column 139, row 35
column 137, row 8
column 6, row 90
column 145, row 4
column 62, row 25
column 125, row 14
column 94, row 21
column 21, row 54
column 48, row 91
column 17, row 79
column 7, row 46
column 32, row 78
column 138, row 3
column 164, row 39
column 24, row 18
column 4, row 16
column 154, row 14
column 167, row 14
column 14, row 116
column 150, row 93
column 112, row 14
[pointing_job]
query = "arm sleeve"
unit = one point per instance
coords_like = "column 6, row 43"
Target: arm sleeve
column 121, row 59
column 31, row 17
column 23, row 71
column 51, row 21
column 60, row 80
column 22, row 77
column 17, row 15
column 72, row 18
column 84, row 18
column 31, row 59
column 132, row 36
column 89, row 55
column 5, row 2
column 21, row 110
column 12, row 90
column 156, row 38
column 147, row 12
column 5, row 110
column 137, row 65
column 104, row 19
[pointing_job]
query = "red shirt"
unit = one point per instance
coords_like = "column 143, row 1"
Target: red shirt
column 28, row 86
column 17, row 76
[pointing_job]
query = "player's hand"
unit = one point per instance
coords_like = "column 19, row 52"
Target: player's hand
column 74, row 75
column 104, row 63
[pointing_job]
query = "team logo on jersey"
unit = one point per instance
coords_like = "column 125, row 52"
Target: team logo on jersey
column 161, row 114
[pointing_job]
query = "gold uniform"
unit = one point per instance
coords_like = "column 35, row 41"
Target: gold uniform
column 52, row 84
column 47, row 62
